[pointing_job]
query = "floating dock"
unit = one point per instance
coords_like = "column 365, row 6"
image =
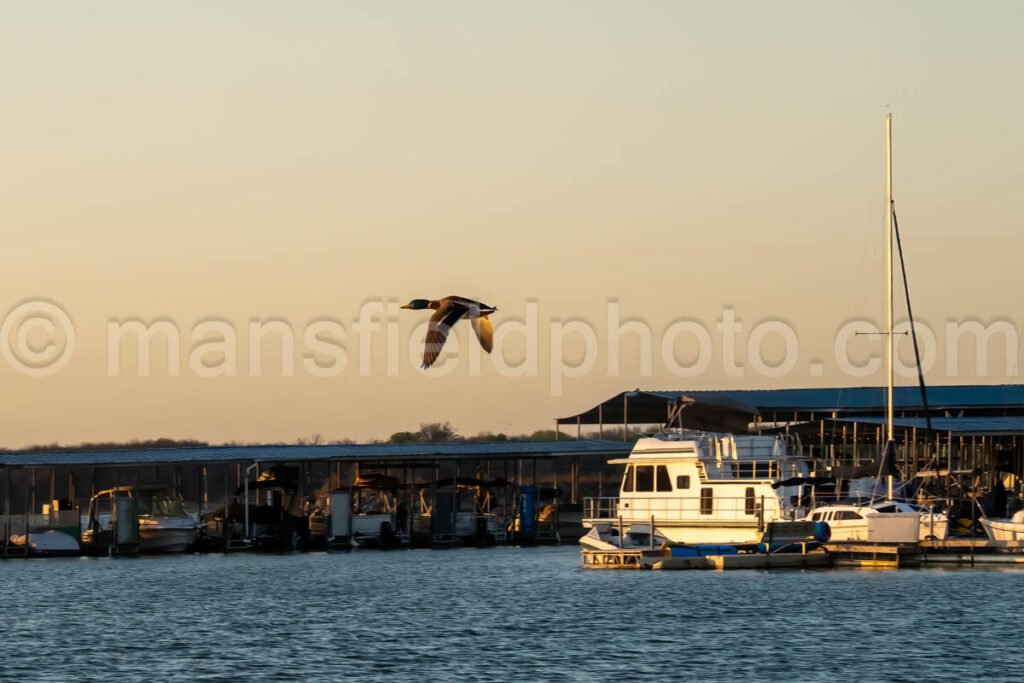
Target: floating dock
column 962, row 552
column 874, row 555
column 661, row 559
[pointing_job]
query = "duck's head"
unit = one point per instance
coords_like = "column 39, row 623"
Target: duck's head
column 418, row 304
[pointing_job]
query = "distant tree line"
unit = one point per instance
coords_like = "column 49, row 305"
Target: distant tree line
column 429, row 432
column 444, row 432
column 134, row 445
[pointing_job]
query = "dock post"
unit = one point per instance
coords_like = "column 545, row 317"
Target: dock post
column 204, row 496
column 974, row 514
column 114, row 519
column 621, row 542
column 53, row 494
column 7, row 508
column 455, row 501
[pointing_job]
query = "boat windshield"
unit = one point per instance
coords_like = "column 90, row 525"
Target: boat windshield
column 162, row 505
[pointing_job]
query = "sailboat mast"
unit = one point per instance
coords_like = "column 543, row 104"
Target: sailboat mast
column 888, row 270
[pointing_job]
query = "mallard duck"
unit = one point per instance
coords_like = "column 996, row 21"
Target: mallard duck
column 447, row 312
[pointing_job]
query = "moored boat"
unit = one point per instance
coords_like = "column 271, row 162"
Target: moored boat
column 164, row 525
column 46, row 543
column 112, row 527
column 702, row 487
column 367, row 515
column 458, row 511
column 883, row 521
column 1001, row 530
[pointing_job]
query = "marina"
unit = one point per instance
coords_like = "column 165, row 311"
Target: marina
column 693, row 488
column 784, row 460
column 482, row 342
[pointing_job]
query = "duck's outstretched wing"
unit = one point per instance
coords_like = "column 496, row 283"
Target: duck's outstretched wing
column 484, row 332
column 437, row 333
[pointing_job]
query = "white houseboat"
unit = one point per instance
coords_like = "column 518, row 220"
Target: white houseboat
column 699, row 487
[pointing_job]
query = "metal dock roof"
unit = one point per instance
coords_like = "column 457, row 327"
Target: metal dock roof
column 873, row 398
column 426, row 452
column 649, row 407
column 963, row 426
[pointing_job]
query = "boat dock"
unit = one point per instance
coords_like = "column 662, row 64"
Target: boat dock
column 278, row 498
column 662, row 559
column 962, row 552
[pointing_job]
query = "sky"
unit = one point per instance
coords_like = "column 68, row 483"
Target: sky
column 683, row 163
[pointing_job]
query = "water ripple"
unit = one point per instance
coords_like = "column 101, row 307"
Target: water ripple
column 497, row 614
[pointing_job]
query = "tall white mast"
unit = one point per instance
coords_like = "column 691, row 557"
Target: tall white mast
column 888, row 268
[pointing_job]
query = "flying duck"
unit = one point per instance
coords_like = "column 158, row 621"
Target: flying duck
column 447, row 312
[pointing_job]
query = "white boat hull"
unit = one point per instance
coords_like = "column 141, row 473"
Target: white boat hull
column 637, row 537
column 49, row 543
column 1003, row 530
column 934, row 527
column 691, row 531
column 160, row 539
column 898, row 527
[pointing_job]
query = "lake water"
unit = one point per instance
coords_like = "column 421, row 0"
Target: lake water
column 498, row 614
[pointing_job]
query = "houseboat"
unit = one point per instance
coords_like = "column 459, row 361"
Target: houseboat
column 702, row 487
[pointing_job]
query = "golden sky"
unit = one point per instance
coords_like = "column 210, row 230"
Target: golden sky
column 244, row 161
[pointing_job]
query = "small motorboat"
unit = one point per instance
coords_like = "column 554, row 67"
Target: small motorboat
column 46, row 543
column 1002, row 530
column 635, row 537
column 266, row 515
column 457, row 511
column 366, row 515
column 884, row 521
column 164, row 526
column 112, row 527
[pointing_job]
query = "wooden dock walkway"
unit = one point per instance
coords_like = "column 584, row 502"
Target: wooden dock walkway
column 955, row 551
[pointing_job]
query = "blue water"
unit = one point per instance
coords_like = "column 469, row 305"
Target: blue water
column 499, row 614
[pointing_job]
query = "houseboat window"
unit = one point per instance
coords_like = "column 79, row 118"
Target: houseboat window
column 663, row 483
column 707, row 501
column 847, row 514
column 816, row 517
column 627, row 483
column 749, row 502
column 888, row 508
column 683, row 481
column 644, row 477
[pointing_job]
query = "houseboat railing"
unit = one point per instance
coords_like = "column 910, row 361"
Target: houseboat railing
column 717, row 508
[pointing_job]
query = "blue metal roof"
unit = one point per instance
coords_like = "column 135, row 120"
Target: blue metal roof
column 351, row 452
column 965, row 426
column 864, row 398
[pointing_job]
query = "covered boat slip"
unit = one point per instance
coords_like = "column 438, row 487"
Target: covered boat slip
column 976, row 431
column 44, row 490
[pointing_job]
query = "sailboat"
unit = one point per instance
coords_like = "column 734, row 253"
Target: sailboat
column 887, row 520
